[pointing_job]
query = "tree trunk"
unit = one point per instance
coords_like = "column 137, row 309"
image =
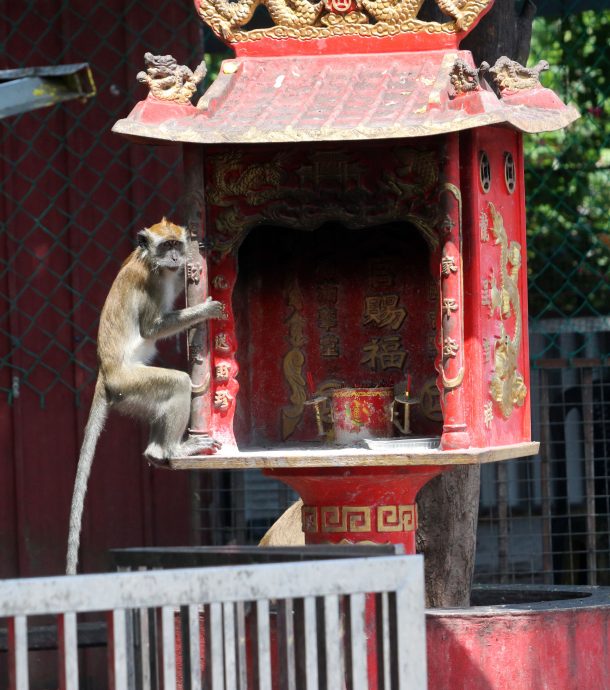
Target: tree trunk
column 448, row 505
column 447, row 510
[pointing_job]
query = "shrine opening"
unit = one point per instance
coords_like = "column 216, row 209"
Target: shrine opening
column 354, row 197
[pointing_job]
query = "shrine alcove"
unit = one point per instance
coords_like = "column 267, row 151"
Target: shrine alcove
column 329, row 308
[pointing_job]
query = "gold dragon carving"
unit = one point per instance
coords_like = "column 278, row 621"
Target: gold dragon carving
column 293, row 363
column 169, row 81
column 255, row 184
column 511, row 76
column 507, row 387
column 244, row 194
column 302, row 19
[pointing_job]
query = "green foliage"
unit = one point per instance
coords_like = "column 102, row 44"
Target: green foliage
column 567, row 178
column 213, row 62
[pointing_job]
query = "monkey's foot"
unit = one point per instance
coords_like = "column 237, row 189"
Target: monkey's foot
column 196, row 445
column 157, row 462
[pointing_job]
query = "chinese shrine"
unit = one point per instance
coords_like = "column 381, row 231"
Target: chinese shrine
column 354, row 196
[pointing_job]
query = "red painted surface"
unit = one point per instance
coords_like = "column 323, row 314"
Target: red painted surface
column 375, row 504
column 565, row 649
column 347, row 303
column 65, row 237
column 374, row 303
column 295, row 98
column 485, row 266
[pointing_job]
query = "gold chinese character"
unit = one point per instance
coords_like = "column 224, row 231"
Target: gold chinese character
column 327, row 294
column 431, row 401
column 384, row 353
column 448, row 266
column 220, row 283
column 383, row 310
column 222, row 371
column 220, row 343
column 327, row 318
column 450, row 347
column 484, row 227
column 381, row 274
column 488, row 414
column 447, row 224
column 486, row 293
column 329, row 345
column 486, row 350
column 222, row 400
column 193, row 272
column 449, row 305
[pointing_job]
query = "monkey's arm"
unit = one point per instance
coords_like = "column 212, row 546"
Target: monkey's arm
column 176, row 321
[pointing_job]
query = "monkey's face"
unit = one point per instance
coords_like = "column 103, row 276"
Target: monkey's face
column 170, row 254
column 164, row 245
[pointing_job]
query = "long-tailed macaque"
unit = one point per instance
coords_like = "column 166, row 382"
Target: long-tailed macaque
column 137, row 312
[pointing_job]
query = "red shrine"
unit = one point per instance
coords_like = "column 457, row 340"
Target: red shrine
column 354, row 194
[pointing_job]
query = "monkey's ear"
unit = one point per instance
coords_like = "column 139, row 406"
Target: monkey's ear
column 143, row 239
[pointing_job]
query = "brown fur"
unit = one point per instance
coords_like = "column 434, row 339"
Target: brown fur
column 139, row 311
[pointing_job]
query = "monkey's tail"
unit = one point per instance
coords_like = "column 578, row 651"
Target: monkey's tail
column 95, row 424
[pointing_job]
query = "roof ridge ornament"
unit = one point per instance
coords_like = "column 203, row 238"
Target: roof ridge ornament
column 169, row 81
column 304, row 20
column 510, row 75
column 465, row 78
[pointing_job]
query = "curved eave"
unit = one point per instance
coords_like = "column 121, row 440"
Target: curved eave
column 185, row 130
column 341, row 98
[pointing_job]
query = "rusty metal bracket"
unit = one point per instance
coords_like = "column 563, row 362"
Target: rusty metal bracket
column 22, row 90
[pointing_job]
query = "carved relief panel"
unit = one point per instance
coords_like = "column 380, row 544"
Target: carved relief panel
column 327, row 262
column 499, row 381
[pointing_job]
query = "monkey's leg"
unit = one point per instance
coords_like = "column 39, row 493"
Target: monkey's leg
column 163, row 398
column 169, row 421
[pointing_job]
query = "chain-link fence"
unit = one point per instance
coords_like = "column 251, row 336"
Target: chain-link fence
column 546, row 519
column 73, row 194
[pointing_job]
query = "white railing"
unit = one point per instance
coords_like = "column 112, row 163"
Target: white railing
column 314, row 624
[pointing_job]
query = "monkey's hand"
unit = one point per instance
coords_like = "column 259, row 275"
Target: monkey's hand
column 212, row 309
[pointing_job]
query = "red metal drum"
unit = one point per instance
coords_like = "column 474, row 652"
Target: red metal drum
column 359, row 413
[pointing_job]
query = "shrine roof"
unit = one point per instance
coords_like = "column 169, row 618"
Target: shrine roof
column 344, row 97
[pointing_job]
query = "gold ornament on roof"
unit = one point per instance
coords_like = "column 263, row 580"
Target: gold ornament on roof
column 465, row 78
column 169, row 81
column 511, row 76
column 302, row 19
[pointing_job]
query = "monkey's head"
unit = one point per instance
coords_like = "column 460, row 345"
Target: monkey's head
column 163, row 245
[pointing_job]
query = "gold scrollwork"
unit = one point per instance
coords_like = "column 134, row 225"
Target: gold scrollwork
column 401, row 518
column 357, row 519
column 345, row 519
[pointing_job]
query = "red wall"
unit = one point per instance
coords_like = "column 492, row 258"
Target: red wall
column 72, row 196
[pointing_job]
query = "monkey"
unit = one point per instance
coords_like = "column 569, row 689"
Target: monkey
column 137, row 312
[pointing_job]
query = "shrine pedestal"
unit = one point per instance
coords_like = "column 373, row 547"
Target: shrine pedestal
column 361, row 504
column 352, row 494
